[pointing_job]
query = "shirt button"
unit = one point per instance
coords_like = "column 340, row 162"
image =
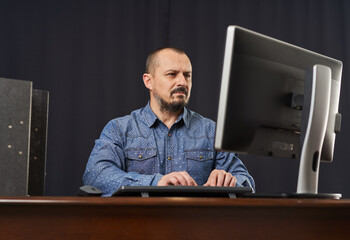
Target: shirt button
column 169, row 158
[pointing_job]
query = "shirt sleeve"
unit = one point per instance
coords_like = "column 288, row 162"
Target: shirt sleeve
column 232, row 164
column 106, row 165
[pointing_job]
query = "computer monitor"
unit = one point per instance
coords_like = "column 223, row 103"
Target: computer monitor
column 278, row 100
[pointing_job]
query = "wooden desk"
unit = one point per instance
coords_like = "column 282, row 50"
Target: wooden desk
column 81, row 218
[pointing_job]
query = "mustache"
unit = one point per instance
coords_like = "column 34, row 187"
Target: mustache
column 179, row 90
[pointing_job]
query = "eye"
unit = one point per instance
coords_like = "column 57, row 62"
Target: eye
column 171, row 75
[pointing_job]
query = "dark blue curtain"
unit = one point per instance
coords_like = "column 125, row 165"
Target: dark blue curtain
column 90, row 56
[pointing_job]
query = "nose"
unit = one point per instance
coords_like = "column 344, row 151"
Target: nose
column 181, row 80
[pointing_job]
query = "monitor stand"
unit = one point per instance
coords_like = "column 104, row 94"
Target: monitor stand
column 315, row 117
column 314, row 123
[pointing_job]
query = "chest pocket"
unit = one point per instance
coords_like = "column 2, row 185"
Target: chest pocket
column 142, row 161
column 199, row 164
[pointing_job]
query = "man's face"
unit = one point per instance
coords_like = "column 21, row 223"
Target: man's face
column 172, row 80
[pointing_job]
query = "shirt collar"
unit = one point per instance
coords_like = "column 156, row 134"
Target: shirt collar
column 186, row 117
column 151, row 117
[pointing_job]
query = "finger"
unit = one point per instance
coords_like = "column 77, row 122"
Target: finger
column 163, row 181
column 220, row 179
column 189, row 180
column 233, row 181
column 181, row 179
column 228, row 179
column 212, row 179
column 174, row 181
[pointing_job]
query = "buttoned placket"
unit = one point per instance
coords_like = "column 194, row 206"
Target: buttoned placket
column 159, row 131
column 169, row 150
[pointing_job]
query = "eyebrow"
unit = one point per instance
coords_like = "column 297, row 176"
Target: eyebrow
column 174, row 70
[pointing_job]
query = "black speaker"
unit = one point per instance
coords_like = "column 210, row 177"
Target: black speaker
column 38, row 142
column 23, row 138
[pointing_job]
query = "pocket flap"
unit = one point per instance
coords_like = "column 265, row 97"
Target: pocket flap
column 140, row 154
column 200, row 155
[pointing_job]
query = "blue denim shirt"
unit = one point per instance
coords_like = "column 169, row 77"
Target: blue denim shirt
column 138, row 149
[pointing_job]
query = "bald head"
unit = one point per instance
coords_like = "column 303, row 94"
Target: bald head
column 152, row 59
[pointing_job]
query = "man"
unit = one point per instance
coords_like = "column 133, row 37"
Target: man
column 163, row 143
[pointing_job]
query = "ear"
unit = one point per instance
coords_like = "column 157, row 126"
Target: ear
column 147, row 80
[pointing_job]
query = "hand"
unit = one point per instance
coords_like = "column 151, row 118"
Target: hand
column 177, row 178
column 221, row 178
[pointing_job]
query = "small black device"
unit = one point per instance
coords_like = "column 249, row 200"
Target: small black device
column 88, row 190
